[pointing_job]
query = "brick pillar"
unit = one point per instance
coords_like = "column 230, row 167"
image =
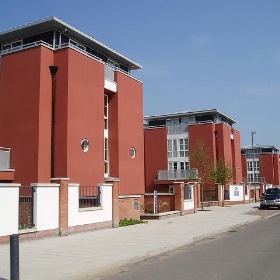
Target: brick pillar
column 63, row 204
column 220, row 195
column 261, row 190
column 179, row 196
column 244, row 191
column 198, row 198
column 195, row 196
column 115, row 202
column 249, row 190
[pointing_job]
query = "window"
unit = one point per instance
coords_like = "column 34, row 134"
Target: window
column 76, row 44
column 175, row 149
column 187, row 192
column 106, row 157
column 133, row 152
column 250, row 165
column 187, row 120
column 85, row 145
column 183, row 147
column 185, row 165
column 105, row 111
column 252, row 179
column 170, row 122
column 170, row 165
column 257, row 165
column 14, row 45
column 178, row 148
column 171, row 189
column 172, row 148
column 246, row 190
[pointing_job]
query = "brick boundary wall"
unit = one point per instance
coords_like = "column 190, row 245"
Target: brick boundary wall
column 89, row 227
column 127, row 206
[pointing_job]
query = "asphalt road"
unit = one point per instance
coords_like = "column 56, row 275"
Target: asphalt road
column 249, row 252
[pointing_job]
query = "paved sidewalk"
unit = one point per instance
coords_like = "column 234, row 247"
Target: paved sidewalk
column 85, row 255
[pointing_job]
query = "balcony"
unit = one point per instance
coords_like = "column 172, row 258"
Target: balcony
column 110, row 83
column 257, row 180
column 178, row 128
column 181, row 174
column 5, row 154
column 6, row 173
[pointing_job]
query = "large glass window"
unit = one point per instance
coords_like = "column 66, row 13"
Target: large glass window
column 105, row 111
column 178, row 148
column 250, row 165
column 183, row 147
column 172, row 148
column 106, row 157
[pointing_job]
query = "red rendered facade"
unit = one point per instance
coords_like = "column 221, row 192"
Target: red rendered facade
column 25, row 119
column 126, row 132
column 221, row 141
column 155, row 155
column 267, row 161
column 269, row 168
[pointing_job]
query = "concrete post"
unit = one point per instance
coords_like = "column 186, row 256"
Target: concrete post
column 115, row 202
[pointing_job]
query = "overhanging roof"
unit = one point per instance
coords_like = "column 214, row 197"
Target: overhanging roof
column 258, row 146
column 190, row 114
column 53, row 23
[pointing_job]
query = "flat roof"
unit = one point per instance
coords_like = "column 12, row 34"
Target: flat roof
column 258, row 146
column 190, row 114
column 53, row 23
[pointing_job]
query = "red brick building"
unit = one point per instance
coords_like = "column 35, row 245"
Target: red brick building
column 170, row 138
column 260, row 164
column 77, row 122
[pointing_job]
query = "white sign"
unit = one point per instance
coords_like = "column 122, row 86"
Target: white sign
column 155, row 202
column 236, row 192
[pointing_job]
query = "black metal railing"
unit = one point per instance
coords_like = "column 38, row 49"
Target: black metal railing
column 210, row 194
column 89, row 196
column 26, row 199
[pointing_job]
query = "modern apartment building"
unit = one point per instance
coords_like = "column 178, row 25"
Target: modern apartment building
column 260, row 164
column 71, row 108
column 170, row 138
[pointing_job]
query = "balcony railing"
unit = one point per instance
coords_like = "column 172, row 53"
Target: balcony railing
column 178, row 128
column 62, row 46
column 257, row 180
column 181, row 174
column 25, row 47
column 109, row 73
column 5, row 155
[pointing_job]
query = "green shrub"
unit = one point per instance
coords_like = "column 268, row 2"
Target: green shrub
column 25, row 226
column 126, row 222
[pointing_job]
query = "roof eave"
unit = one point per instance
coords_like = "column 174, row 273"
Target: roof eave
column 53, row 23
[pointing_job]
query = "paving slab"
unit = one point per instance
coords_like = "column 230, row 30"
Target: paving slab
column 87, row 255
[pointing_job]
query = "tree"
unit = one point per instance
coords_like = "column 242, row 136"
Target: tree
column 222, row 173
column 200, row 158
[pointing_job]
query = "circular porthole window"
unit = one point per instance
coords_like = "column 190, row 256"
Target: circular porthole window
column 85, row 145
column 132, row 152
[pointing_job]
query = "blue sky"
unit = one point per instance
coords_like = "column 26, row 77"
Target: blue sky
column 195, row 54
